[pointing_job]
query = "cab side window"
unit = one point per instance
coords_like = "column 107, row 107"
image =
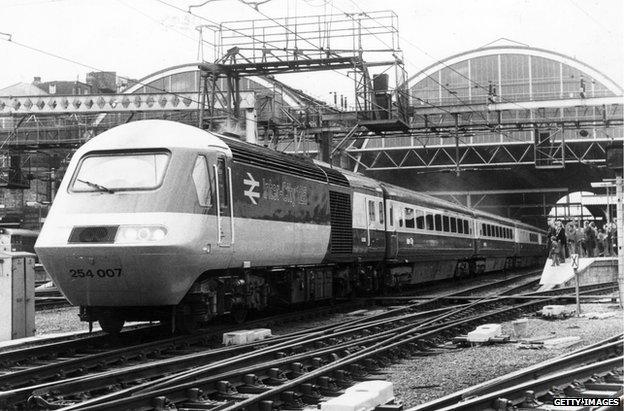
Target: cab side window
column 201, row 180
column 221, row 176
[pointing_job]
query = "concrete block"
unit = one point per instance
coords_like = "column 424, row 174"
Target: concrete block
column 484, row 333
column 554, row 311
column 352, row 401
column 237, row 337
column 258, row 334
column 383, row 389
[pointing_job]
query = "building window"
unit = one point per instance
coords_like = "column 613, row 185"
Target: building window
column 429, row 221
column 409, row 218
column 438, row 222
column 420, row 220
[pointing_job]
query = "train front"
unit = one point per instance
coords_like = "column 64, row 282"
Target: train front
column 125, row 231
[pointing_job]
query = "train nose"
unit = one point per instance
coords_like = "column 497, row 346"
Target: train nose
column 128, row 276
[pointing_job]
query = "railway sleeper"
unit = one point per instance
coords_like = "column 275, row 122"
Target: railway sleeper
column 252, row 385
column 275, row 376
column 343, row 378
column 310, row 393
column 297, row 369
column 291, row 400
column 328, row 386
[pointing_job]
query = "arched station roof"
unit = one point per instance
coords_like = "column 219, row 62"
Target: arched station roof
column 515, row 73
column 185, row 78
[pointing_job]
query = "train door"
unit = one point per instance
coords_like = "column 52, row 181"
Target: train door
column 392, row 244
column 225, row 217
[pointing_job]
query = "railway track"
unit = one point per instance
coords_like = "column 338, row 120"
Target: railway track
column 299, row 378
column 101, row 377
column 95, row 354
column 591, row 372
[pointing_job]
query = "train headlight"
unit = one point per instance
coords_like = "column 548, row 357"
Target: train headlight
column 140, row 233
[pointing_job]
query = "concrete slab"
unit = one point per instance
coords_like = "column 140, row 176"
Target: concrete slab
column 591, row 271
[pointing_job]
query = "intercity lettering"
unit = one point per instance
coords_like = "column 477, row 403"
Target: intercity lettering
column 292, row 194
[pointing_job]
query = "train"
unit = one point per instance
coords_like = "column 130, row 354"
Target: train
column 156, row 220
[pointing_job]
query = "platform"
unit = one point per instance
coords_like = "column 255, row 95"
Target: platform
column 591, row 270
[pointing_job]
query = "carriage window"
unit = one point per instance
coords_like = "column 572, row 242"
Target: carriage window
column 391, row 217
column 420, row 219
column 438, row 222
column 401, row 218
column 201, row 180
column 466, row 228
column 488, row 230
column 497, row 231
column 453, row 225
column 381, row 213
column 460, row 226
column 483, row 230
column 447, row 225
column 371, row 212
column 409, row 218
column 222, row 184
column 429, row 221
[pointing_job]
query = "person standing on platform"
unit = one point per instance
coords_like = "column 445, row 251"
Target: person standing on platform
column 590, row 239
column 551, row 233
column 601, row 241
column 611, row 231
column 561, row 239
column 571, row 236
column 582, row 239
column 555, row 249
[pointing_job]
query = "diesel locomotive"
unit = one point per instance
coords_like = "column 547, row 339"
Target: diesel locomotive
column 158, row 220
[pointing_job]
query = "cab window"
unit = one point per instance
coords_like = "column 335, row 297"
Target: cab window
column 120, row 171
column 201, row 180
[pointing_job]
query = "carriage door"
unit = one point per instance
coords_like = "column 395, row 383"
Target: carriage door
column 392, row 242
column 225, row 220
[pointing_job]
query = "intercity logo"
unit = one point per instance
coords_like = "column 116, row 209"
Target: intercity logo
column 251, row 192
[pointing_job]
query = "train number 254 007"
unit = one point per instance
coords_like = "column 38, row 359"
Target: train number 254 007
column 100, row 272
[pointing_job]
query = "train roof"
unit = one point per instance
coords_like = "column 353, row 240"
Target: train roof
column 144, row 134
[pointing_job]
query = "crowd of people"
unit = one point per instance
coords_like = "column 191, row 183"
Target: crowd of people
column 584, row 239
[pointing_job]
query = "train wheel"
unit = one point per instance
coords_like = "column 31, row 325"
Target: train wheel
column 239, row 313
column 111, row 324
